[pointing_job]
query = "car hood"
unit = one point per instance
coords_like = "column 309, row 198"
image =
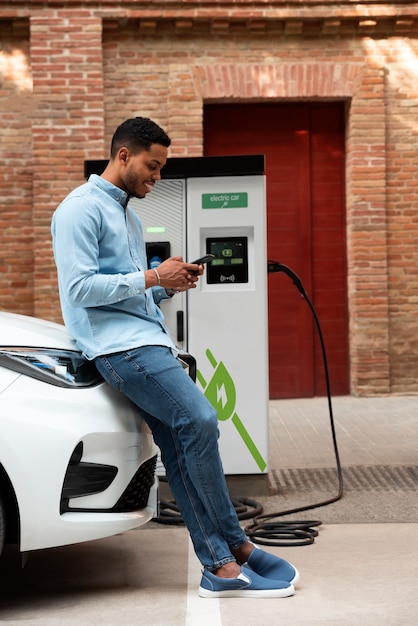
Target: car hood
column 22, row 330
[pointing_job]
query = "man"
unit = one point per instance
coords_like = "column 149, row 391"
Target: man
column 109, row 304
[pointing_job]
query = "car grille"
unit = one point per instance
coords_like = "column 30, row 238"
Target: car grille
column 136, row 494
column 133, row 498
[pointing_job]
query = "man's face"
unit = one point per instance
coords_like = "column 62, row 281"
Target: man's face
column 141, row 170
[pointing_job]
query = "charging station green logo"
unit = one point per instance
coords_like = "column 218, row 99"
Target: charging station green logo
column 237, row 200
column 221, row 393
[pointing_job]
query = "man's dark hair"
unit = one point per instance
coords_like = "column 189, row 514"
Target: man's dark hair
column 137, row 134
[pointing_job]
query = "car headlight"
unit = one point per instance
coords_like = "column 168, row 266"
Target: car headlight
column 63, row 368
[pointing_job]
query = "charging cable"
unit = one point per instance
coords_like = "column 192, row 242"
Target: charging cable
column 263, row 529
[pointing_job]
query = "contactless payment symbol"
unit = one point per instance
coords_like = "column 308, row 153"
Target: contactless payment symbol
column 221, row 393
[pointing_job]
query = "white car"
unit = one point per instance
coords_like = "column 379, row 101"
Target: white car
column 77, row 462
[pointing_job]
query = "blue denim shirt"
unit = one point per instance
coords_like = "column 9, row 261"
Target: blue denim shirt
column 100, row 256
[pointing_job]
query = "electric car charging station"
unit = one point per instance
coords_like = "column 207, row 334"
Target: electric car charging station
column 217, row 205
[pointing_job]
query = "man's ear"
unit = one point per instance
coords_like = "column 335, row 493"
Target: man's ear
column 123, row 154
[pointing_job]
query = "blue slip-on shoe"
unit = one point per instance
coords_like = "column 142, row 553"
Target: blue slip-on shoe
column 273, row 567
column 247, row 585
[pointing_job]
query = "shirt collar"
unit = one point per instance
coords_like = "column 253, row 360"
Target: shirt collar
column 115, row 192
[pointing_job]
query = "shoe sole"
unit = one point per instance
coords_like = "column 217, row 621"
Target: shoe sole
column 247, row 593
column 296, row 577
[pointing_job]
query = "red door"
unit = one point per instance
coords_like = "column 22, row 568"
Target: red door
column 304, row 149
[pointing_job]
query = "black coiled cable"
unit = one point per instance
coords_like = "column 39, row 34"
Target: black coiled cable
column 245, row 508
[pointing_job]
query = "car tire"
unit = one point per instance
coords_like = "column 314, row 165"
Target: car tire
column 2, row 526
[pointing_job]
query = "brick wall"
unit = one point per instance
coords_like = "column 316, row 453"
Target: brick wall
column 93, row 67
column 67, row 125
column 402, row 211
column 16, row 233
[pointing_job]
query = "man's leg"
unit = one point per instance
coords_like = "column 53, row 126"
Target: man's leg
column 184, row 425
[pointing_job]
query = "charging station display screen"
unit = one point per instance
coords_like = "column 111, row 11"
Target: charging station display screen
column 230, row 264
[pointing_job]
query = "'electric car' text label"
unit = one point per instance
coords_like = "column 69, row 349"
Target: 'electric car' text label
column 225, row 200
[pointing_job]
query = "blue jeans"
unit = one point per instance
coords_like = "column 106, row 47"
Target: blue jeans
column 185, row 428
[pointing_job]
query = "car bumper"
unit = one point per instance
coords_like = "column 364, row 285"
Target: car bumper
column 44, row 425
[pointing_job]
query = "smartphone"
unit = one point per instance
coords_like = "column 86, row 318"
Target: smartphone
column 204, row 259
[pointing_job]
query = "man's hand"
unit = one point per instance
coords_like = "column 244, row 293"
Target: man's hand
column 175, row 274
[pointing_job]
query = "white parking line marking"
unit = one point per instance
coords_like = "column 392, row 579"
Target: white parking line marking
column 199, row 611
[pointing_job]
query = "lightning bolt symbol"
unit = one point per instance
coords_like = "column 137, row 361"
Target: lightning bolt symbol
column 221, row 395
